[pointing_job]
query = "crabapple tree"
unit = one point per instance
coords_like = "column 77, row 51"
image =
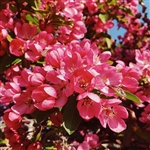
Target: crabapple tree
column 66, row 83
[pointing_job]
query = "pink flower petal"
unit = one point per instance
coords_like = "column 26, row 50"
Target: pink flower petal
column 94, row 97
column 61, row 99
column 85, row 111
column 121, row 111
column 84, row 146
column 50, row 91
column 13, row 116
column 116, row 124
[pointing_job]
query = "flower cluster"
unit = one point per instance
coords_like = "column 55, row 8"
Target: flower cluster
column 61, row 57
column 76, row 68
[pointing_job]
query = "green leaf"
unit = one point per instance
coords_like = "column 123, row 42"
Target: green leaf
column 9, row 38
column 32, row 19
column 16, row 61
column 103, row 17
column 100, row 6
column 108, row 41
column 126, row 94
column 132, row 97
column 111, row 2
column 71, row 117
column 50, row 148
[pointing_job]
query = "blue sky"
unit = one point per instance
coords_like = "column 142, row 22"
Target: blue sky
column 147, row 4
column 115, row 32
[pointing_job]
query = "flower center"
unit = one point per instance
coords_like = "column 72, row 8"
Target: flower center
column 82, row 84
column 109, row 111
column 87, row 101
column 29, row 102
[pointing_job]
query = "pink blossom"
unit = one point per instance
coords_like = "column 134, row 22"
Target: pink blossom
column 39, row 69
column 3, row 33
column 127, row 71
column 57, row 78
column 78, row 30
column 105, row 56
column 10, row 90
column 44, row 39
column 106, row 78
column 78, row 4
column 52, row 77
column 145, row 115
column 146, row 73
column 85, row 47
column 100, row 26
column 54, row 57
column 5, row 20
column 22, row 79
column 84, row 146
column 23, row 103
column 92, row 6
column 34, row 53
column 126, row 83
column 35, row 79
column 81, row 81
column 72, row 63
column 92, row 140
column 54, row 61
column 144, row 96
column 112, row 114
column 88, row 105
column 70, row 12
column 29, row 78
column 25, row 31
column 12, row 119
column 44, row 97
column 11, row 72
column 130, row 75
column 89, row 53
column 18, row 47
column 102, row 1
column 63, row 33
column 142, row 58
column 1, row 89
column 61, row 99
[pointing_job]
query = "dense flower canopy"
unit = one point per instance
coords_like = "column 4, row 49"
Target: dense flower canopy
column 61, row 72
